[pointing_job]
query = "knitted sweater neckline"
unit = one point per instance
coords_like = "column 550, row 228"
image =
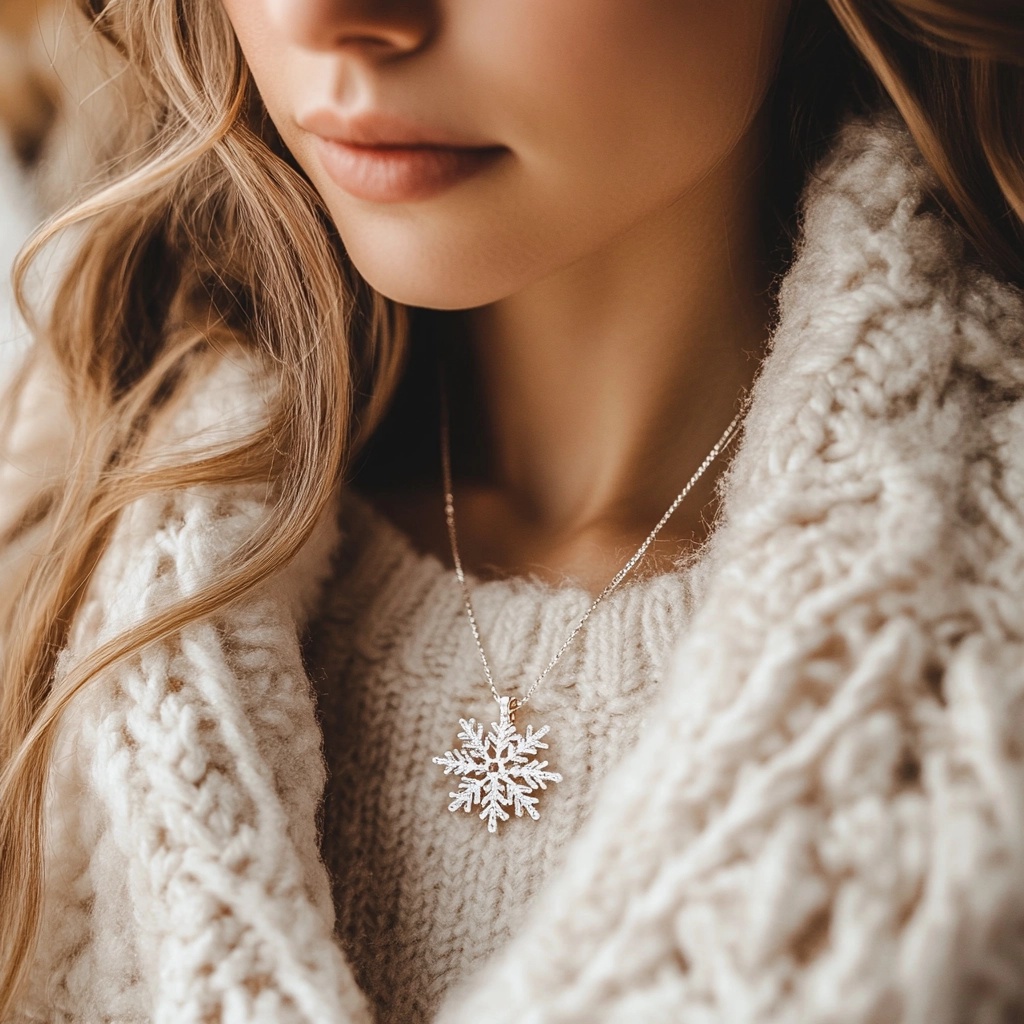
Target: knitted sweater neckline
column 428, row 563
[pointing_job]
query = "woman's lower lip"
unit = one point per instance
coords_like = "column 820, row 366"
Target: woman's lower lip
column 400, row 174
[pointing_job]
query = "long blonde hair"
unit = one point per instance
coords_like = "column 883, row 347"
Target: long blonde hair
column 204, row 233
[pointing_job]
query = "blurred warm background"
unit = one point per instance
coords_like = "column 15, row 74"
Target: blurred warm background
column 29, row 103
column 51, row 95
column 29, row 91
column 56, row 112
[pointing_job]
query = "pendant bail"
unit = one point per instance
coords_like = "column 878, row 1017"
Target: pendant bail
column 513, row 705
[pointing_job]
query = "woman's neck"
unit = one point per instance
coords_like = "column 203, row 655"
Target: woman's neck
column 584, row 403
column 605, row 385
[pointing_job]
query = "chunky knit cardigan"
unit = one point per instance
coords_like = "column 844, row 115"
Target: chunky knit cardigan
column 823, row 819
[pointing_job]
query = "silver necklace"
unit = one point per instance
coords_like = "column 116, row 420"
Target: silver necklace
column 499, row 771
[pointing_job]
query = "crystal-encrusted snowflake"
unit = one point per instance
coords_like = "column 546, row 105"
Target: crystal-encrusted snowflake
column 498, row 770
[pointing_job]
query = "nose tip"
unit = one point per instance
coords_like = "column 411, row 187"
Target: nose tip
column 378, row 26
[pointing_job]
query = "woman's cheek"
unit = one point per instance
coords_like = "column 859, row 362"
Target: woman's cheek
column 585, row 87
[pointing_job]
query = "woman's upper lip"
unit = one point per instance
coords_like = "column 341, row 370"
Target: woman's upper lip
column 378, row 128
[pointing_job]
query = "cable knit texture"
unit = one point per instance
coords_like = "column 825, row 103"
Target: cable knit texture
column 821, row 818
column 424, row 896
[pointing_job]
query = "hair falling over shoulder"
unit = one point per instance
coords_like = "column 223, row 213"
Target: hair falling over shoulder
column 202, row 234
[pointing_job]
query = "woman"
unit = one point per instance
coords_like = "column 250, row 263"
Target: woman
column 243, row 684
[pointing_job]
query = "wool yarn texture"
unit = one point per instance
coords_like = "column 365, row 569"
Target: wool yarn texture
column 822, row 819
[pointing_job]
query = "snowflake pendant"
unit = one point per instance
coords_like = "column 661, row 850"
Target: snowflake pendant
column 496, row 769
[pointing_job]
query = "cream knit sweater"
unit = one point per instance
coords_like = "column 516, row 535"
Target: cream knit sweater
column 422, row 895
column 822, row 819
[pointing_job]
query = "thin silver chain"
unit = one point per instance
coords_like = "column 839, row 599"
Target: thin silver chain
column 449, row 509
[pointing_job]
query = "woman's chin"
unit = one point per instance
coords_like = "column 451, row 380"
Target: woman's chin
column 431, row 293
column 431, row 281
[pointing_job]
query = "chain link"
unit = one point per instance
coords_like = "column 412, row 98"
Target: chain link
column 449, row 508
